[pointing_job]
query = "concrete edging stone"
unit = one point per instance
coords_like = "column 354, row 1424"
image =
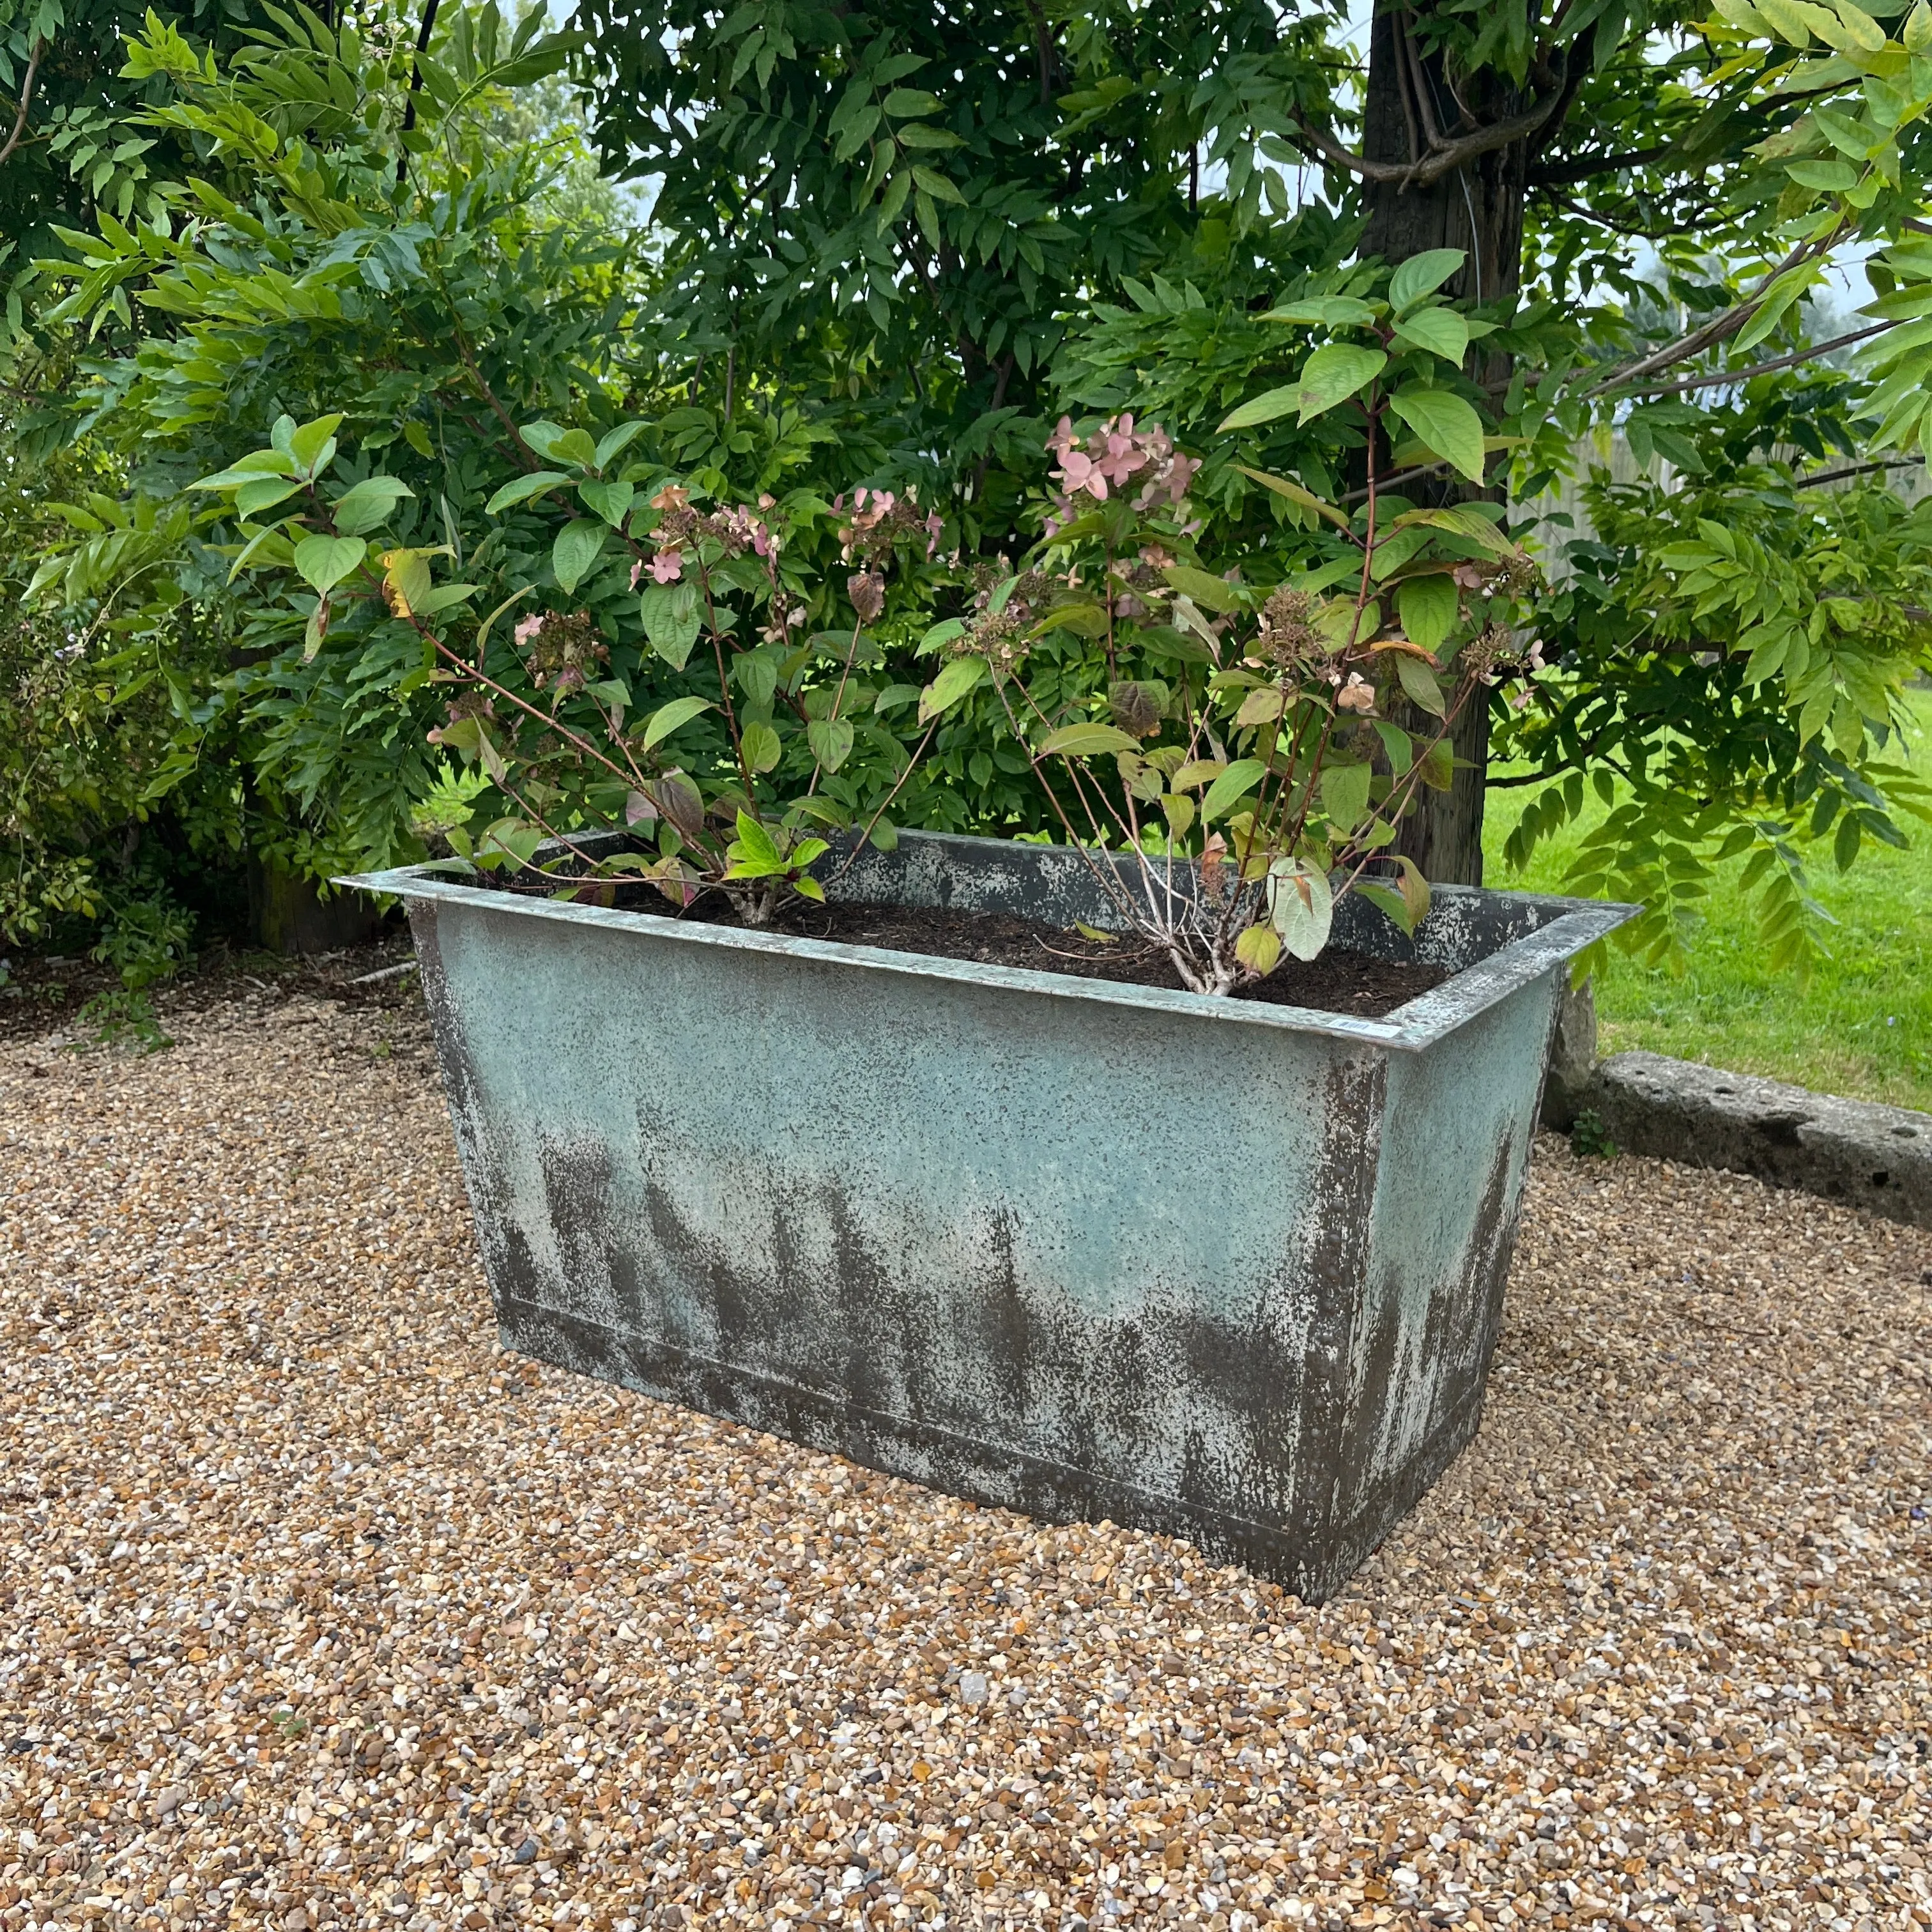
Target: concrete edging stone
column 1853, row 1151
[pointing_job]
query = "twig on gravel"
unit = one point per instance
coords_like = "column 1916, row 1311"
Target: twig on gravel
column 384, row 973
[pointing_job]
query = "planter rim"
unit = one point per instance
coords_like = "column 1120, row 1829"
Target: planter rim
column 1417, row 1024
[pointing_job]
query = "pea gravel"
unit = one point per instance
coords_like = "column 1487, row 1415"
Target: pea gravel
column 317, row 1609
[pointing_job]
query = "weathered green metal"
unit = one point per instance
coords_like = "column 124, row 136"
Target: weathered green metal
column 1223, row 1269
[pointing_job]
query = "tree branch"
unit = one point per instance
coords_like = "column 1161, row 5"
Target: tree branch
column 1717, row 378
column 1562, row 174
column 1812, row 482
column 1720, row 328
column 415, row 84
column 1643, row 231
column 1443, row 157
column 26, row 99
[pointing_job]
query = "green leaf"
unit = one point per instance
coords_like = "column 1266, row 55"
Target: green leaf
column 904, row 101
column 937, row 186
column 367, row 504
column 1415, row 889
column 955, row 680
column 1397, row 744
column 668, row 718
column 753, row 853
column 324, row 562
column 1345, row 794
column 1782, row 294
column 756, row 674
column 1421, row 685
column 1830, row 177
column 1216, row 592
column 1283, row 486
column 1440, row 331
column 1461, row 520
column 1086, row 740
column 1769, row 644
column 1387, row 898
column 1261, row 408
column 1301, row 905
column 831, row 741
column 441, row 598
column 1236, row 782
column 258, row 463
column 270, row 541
column 1334, row 374
column 1423, row 274
column 578, row 546
column 405, row 572
column 262, row 493
column 611, row 501
column 313, row 446
column 762, row 749
column 1258, row 949
column 1448, row 426
column 613, row 443
column 1262, row 706
column 894, row 198
column 1845, row 846
column 1336, row 311
column 521, row 489
column 669, row 614
column 1428, row 605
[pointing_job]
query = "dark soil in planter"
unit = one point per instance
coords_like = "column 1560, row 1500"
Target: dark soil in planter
column 1336, row 982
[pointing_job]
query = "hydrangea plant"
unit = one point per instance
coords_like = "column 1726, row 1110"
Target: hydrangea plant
column 1276, row 733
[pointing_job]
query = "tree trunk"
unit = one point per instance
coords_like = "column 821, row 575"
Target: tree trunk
column 1478, row 208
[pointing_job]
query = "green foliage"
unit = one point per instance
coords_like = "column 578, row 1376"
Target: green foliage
column 723, row 785
column 332, row 246
column 92, row 835
column 83, row 151
column 423, row 383
column 1729, row 647
column 1738, row 658
column 891, row 212
column 1859, row 1023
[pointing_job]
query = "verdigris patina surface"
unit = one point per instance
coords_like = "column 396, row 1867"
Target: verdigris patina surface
column 1223, row 1269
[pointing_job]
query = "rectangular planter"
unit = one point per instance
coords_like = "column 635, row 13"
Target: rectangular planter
column 1221, row 1269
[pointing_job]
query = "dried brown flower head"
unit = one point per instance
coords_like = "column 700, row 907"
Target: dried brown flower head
column 564, row 651
column 1288, row 637
column 867, row 590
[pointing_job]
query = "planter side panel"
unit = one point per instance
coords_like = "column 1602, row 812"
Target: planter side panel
column 958, row 1232
column 1456, row 1144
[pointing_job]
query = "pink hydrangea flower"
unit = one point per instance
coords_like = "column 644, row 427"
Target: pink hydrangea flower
column 527, row 628
column 667, row 566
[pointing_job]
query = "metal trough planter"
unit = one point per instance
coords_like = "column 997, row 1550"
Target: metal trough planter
column 1225, row 1270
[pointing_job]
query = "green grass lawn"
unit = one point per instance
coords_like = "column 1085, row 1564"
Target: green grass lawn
column 1861, row 1026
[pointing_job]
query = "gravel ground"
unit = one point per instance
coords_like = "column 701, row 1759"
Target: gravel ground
column 321, row 1611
